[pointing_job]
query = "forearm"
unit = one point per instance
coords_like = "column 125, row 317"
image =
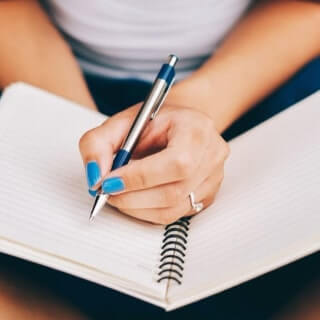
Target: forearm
column 264, row 49
column 33, row 51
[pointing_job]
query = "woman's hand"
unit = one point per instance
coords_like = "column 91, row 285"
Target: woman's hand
column 179, row 152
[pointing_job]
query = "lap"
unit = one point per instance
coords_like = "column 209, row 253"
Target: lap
column 28, row 290
column 25, row 293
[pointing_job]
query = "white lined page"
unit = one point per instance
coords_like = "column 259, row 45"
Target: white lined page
column 43, row 194
column 267, row 212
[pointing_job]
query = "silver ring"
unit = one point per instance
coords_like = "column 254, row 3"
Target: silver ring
column 196, row 206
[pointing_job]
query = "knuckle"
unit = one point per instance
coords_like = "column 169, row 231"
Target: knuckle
column 140, row 180
column 135, row 181
column 217, row 182
column 172, row 195
column 221, row 153
column 117, row 201
column 208, row 124
column 87, row 137
column 204, row 132
column 90, row 135
column 218, row 186
column 167, row 217
column 81, row 142
column 199, row 133
column 183, row 165
column 220, row 178
column 211, row 199
column 226, row 150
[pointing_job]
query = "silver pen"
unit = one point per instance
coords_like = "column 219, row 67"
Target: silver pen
column 147, row 112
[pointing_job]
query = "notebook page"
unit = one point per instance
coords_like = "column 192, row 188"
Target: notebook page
column 43, row 192
column 267, row 212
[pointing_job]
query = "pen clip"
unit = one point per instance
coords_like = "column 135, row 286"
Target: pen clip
column 160, row 101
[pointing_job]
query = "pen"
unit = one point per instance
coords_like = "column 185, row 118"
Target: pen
column 147, row 112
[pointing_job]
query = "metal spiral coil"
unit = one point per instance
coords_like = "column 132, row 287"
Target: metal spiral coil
column 174, row 245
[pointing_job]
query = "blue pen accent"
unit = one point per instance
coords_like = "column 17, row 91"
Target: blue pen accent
column 113, row 184
column 147, row 112
column 166, row 73
column 121, row 159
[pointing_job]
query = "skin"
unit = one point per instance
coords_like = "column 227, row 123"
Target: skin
column 23, row 298
column 192, row 159
column 304, row 307
column 158, row 184
column 49, row 65
column 263, row 50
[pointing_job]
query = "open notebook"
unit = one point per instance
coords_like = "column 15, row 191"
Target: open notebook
column 267, row 213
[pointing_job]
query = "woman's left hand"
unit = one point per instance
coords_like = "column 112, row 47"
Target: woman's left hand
column 179, row 152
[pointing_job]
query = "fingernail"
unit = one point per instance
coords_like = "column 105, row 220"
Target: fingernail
column 93, row 173
column 92, row 193
column 111, row 185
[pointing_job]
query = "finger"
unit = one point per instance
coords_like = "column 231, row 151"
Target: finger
column 205, row 193
column 167, row 195
column 164, row 196
column 207, row 201
column 98, row 145
column 175, row 163
column 153, row 139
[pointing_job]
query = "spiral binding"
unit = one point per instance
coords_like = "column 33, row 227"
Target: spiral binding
column 174, row 246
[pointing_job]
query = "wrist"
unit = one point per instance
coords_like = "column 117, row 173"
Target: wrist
column 198, row 92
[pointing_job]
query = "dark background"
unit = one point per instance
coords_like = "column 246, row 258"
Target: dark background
column 261, row 298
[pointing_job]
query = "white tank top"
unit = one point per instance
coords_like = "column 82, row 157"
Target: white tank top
column 131, row 39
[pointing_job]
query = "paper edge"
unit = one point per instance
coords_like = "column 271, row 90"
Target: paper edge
column 249, row 276
column 67, row 267
column 271, row 267
column 23, row 87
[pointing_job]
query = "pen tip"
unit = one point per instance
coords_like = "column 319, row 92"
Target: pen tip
column 99, row 203
column 172, row 60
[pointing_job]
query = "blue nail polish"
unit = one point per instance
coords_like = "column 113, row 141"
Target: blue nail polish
column 111, row 185
column 93, row 173
column 92, row 193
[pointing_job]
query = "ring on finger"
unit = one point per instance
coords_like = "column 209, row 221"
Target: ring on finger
column 196, row 206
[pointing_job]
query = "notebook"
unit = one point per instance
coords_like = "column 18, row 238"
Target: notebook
column 267, row 213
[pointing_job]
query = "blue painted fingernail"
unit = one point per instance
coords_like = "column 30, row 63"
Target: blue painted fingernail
column 93, row 173
column 92, row 193
column 111, row 185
